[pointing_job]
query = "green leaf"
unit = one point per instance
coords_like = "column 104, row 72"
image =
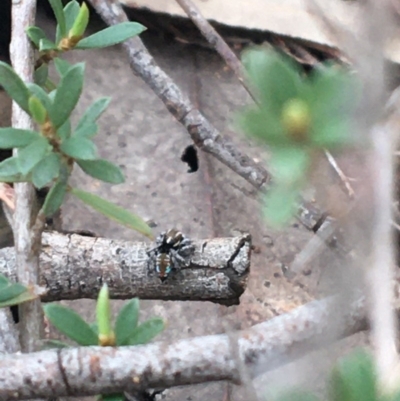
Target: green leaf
column 41, row 94
column 289, row 164
column 21, row 298
column 111, row 35
column 113, row 397
column 80, row 23
column 79, row 148
column 46, row 170
column 127, row 321
column 71, row 324
column 62, row 66
column 51, row 344
column 37, row 110
column 103, row 315
column 71, row 11
column 14, row 86
column 280, row 205
column 333, row 134
column 102, row 170
column 11, row 291
column 113, row 212
column 64, row 131
column 9, row 166
column 50, row 87
column 146, row 331
column 16, row 138
column 274, row 77
column 46, row 44
column 57, row 7
column 263, row 125
column 93, row 112
column 67, row 94
column 35, row 34
column 55, row 197
column 354, row 379
column 32, row 154
column 94, row 326
column 88, row 130
column 41, row 74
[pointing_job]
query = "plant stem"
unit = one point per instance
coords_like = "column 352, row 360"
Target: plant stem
column 27, row 239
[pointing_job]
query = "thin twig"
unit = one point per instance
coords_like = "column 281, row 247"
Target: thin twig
column 345, row 181
column 217, row 42
column 27, row 241
column 102, row 370
column 380, row 275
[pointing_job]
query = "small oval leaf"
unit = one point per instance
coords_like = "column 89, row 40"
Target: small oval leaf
column 93, row 112
column 35, row 34
column 16, row 138
column 67, row 94
column 23, row 297
column 31, row 155
column 71, row 324
column 88, row 130
column 111, row 36
column 64, row 131
column 103, row 314
column 41, row 94
column 80, row 23
column 46, row 170
column 55, row 197
column 146, row 332
column 113, row 212
column 13, row 290
column 37, row 110
column 41, row 74
column 127, row 321
column 102, row 170
column 71, row 11
column 45, row 45
column 62, row 66
column 57, row 7
column 14, row 86
column 9, row 166
column 79, row 148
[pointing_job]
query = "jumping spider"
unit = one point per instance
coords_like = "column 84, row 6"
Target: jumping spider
column 173, row 251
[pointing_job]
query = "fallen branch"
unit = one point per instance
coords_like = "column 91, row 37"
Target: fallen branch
column 95, row 370
column 74, row 267
column 202, row 132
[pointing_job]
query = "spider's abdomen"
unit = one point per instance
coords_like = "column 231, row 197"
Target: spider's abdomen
column 163, row 265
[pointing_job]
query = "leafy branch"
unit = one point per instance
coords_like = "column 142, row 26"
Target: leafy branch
column 46, row 156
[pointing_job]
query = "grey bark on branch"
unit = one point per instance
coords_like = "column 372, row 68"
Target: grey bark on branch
column 202, row 132
column 74, row 267
column 27, row 234
column 95, row 370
